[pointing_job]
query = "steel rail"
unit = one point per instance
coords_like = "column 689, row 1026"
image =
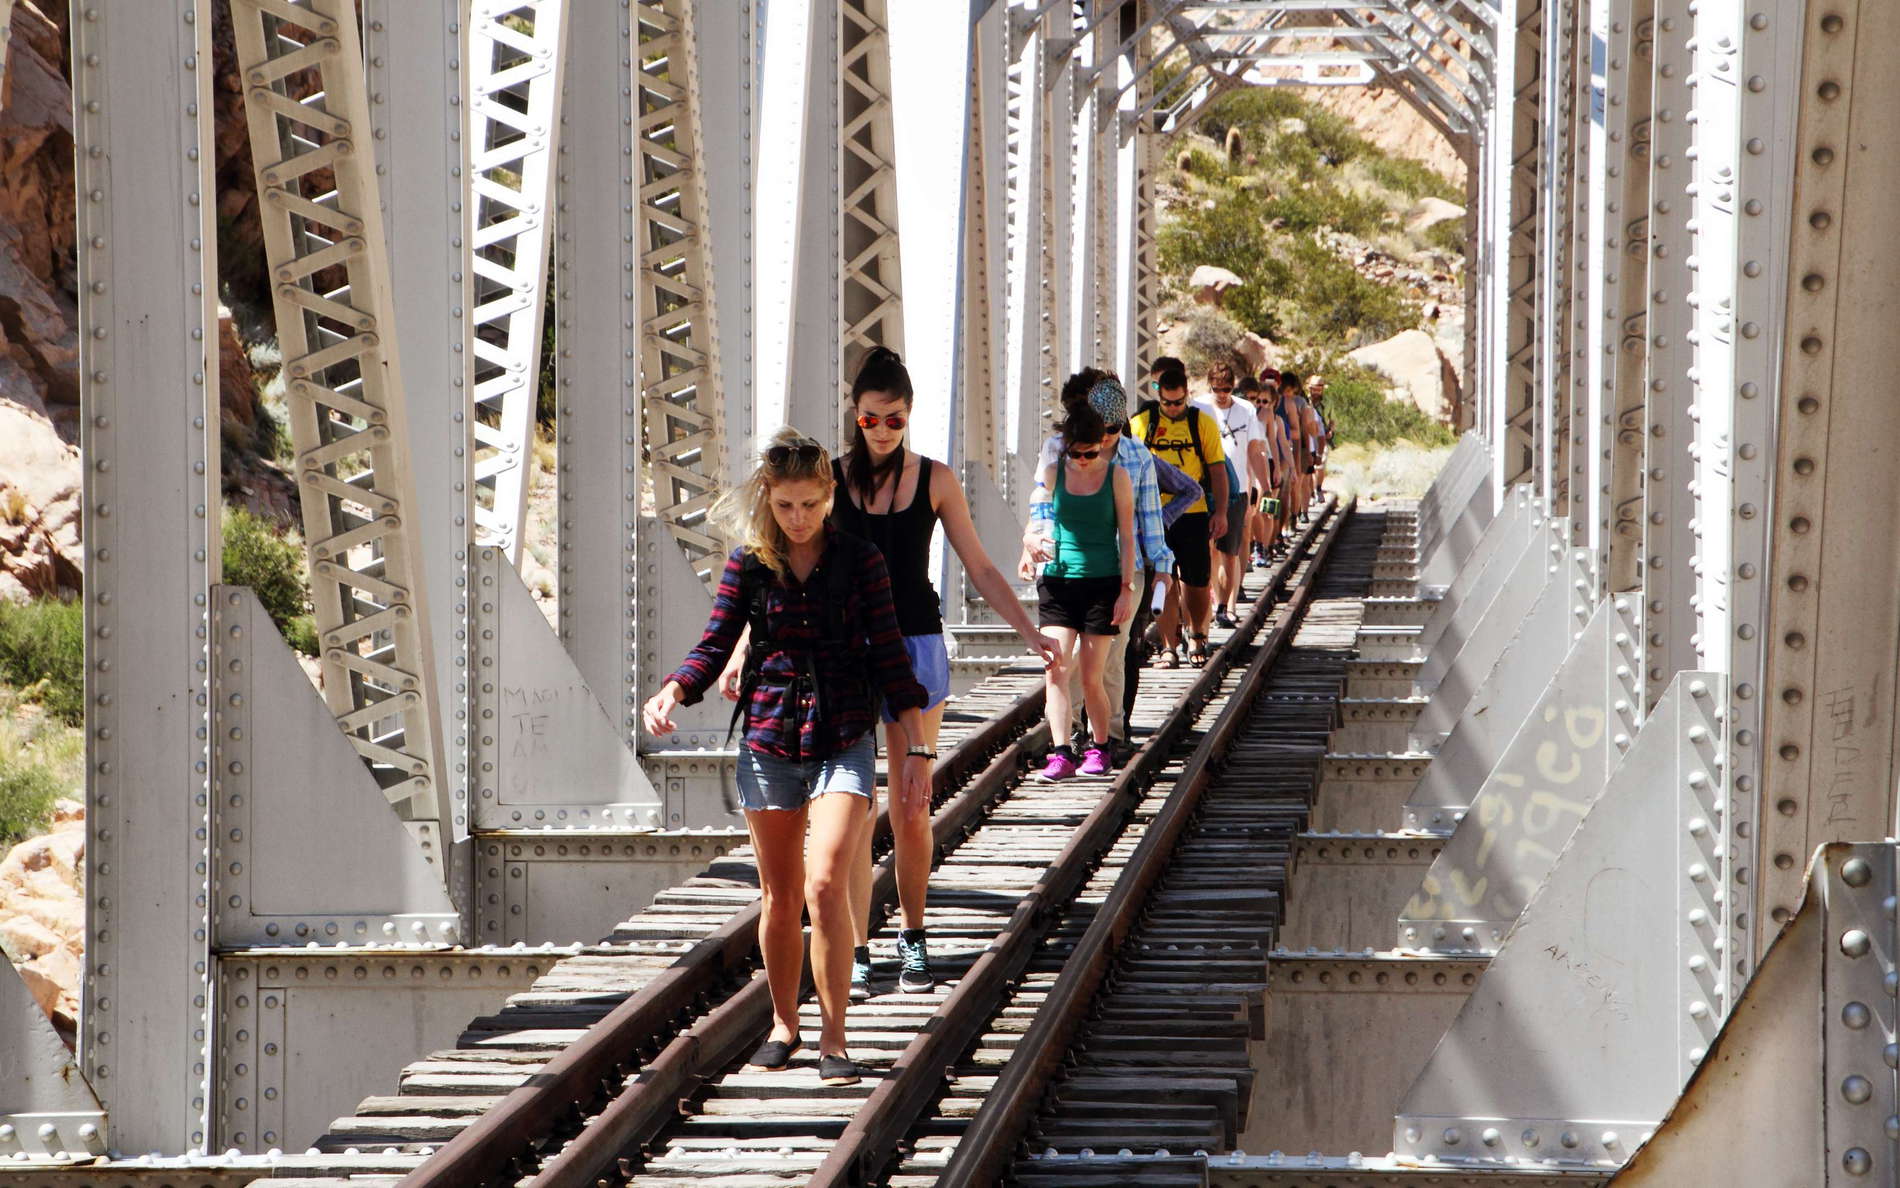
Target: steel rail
column 586, row 1073
column 870, row 1140
column 653, row 1100
column 982, row 1155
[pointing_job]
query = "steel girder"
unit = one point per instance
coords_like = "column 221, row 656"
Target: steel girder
column 979, row 437
column 870, row 282
column 1829, row 688
column 1519, row 411
column 308, row 113
column 679, row 361
column 144, row 148
column 1629, row 62
column 517, row 51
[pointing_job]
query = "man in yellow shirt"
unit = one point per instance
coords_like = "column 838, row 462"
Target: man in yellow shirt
column 1190, row 439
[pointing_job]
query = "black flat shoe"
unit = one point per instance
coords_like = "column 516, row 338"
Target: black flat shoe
column 774, row 1055
column 838, row 1070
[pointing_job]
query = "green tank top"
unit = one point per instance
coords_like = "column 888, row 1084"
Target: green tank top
column 1087, row 544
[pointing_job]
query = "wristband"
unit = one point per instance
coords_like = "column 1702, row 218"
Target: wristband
column 920, row 753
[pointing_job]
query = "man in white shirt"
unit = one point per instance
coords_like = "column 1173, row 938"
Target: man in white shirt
column 1246, row 446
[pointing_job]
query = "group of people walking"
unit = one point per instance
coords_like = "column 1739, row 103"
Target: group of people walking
column 826, row 622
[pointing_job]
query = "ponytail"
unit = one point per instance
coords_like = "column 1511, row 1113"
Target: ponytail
column 882, row 371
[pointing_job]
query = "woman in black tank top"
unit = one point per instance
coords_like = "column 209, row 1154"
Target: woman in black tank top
column 894, row 498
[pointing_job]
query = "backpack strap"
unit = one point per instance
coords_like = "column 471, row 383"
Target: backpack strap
column 755, row 584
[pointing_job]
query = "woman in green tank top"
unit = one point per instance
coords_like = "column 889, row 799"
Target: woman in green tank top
column 1087, row 590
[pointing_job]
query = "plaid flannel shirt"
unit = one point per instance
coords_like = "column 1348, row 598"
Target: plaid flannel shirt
column 1151, row 532
column 779, row 719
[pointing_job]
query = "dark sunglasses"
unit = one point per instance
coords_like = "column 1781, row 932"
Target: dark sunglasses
column 1170, row 401
column 893, row 421
column 1086, row 455
column 804, row 451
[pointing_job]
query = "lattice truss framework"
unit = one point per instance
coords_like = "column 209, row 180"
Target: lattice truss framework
column 684, row 428
column 871, row 292
column 514, row 117
column 307, row 112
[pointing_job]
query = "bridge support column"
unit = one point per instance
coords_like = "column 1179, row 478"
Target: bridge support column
column 142, row 131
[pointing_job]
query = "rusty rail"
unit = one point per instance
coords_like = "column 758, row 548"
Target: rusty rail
column 983, row 1154
column 870, row 1140
column 588, row 1073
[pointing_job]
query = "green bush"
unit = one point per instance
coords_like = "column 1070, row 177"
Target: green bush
column 1414, row 179
column 1231, row 232
column 1333, row 302
column 27, row 792
column 1200, row 163
column 1311, row 207
column 1448, row 236
column 1334, row 137
column 43, row 652
column 273, row 567
column 1356, row 402
column 1251, row 109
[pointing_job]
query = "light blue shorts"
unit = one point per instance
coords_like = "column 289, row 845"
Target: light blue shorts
column 930, row 664
column 768, row 782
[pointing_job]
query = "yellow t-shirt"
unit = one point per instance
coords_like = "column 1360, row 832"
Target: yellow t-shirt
column 1175, row 442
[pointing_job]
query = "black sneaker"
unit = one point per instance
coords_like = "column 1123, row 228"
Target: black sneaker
column 1120, row 751
column 1223, row 619
column 913, row 955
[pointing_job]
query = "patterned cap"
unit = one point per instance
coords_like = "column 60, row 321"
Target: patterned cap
column 1108, row 399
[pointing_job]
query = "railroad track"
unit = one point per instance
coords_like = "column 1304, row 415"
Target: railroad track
column 585, row 1079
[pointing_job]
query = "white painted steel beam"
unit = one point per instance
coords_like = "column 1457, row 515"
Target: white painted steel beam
column 311, row 147
column 143, row 135
column 414, row 54
column 679, row 360
column 1834, row 646
column 516, row 53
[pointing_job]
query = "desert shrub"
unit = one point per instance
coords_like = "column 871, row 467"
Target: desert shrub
column 1254, row 110
column 1333, row 302
column 1356, row 402
column 27, row 793
column 1198, row 162
column 1414, row 179
column 1211, row 337
column 1448, row 237
column 1229, row 231
column 43, row 653
column 273, row 566
column 1334, row 136
column 1311, row 207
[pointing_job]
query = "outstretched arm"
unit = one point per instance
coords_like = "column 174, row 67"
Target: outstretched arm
column 953, row 508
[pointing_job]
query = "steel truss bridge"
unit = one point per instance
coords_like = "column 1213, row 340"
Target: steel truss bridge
column 1593, row 876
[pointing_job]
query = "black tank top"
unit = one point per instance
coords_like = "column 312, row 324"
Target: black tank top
column 904, row 539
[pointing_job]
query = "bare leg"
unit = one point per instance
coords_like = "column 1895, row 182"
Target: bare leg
column 835, row 819
column 1200, row 608
column 910, row 836
column 1171, row 617
column 778, row 838
column 1056, row 683
column 1094, row 695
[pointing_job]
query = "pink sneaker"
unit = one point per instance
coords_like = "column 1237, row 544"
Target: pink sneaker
column 1061, row 766
column 1094, row 762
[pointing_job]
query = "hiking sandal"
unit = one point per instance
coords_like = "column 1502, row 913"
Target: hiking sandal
column 1196, row 649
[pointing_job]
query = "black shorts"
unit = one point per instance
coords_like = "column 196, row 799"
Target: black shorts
column 1229, row 542
column 1080, row 604
column 1187, row 536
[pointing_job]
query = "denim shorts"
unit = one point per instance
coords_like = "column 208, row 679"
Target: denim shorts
column 768, row 782
column 930, row 664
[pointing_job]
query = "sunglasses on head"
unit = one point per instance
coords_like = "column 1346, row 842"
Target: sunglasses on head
column 804, row 451
column 1090, row 454
column 892, row 421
